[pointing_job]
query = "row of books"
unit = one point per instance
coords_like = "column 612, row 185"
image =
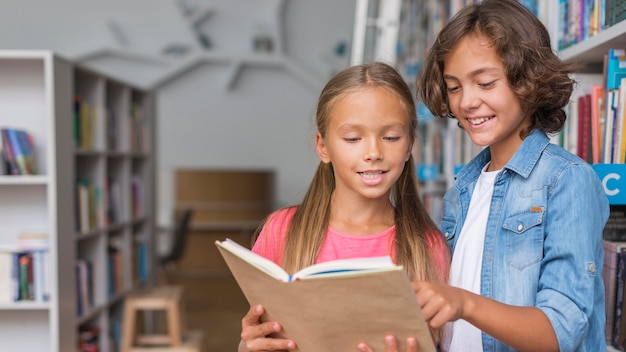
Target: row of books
column 24, row 276
column 88, row 116
column 97, row 209
column 89, row 336
column 596, row 125
column 89, row 339
column 115, row 273
column 139, row 259
column 18, row 152
column 581, row 19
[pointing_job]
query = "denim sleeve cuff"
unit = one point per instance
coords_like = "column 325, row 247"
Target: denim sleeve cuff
column 568, row 320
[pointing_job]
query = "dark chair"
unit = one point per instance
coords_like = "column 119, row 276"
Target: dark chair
column 179, row 240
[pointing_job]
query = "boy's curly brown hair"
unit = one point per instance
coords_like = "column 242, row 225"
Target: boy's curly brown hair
column 538, row 77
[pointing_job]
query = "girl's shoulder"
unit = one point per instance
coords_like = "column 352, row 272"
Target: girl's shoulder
column 282, row 215
column 270, row 242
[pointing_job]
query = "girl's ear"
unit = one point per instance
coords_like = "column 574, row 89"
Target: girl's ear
column 320, row 147
column 408, row 153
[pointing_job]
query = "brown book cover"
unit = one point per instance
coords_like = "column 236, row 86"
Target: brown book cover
column 336, row 311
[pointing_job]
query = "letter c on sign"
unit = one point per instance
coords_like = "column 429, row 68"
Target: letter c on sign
column 605, row 180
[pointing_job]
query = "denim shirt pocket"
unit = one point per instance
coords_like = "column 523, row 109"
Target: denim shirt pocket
column 524, row 238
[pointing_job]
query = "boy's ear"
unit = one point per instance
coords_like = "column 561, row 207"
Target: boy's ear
column 320, row 147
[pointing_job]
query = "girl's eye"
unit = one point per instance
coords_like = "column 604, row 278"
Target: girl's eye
column 487, row 85
column 353, row 139
column 392, row 139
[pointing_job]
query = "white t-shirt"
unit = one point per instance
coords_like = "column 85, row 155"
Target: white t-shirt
column 465, row 270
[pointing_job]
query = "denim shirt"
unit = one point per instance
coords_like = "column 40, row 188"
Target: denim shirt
column 543, row 242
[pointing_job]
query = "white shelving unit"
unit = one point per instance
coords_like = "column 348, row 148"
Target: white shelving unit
column 36, row 94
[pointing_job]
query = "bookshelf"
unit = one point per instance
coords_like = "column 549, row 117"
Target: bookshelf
column 37, row 94
column 590, row 53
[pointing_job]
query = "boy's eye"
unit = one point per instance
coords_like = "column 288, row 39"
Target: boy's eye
column 452, row 89
column 351, row 139
column 487, row 85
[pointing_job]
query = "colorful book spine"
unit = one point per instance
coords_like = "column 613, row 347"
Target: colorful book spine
column 8, row 155
column 612, row 251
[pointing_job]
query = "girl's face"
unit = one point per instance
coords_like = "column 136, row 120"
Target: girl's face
column 481, row 98
column 368, row 142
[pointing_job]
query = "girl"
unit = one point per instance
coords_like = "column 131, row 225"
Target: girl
column 524, row 218
column 363, row 200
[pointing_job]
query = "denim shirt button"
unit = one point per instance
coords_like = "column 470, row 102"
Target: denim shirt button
column 520, row 227
column 592, row 268
column 447, row 234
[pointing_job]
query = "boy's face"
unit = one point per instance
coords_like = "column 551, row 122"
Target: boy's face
column 481, row 98
column 368, row 143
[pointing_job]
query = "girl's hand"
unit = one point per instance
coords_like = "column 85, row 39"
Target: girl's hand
column 254, row 334
column 392, row 345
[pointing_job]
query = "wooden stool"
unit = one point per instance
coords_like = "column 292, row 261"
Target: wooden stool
column 177, row 339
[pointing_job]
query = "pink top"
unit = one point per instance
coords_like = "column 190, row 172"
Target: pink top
column 338, row 245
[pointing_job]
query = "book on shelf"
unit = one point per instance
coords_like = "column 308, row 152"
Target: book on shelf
column 8, row 160
column 619, row 339
column 614, row 122
column 83, row 123
column 584, row 127
column 616, row 68
column 27, row 146
column 140, row 262
column 620, row 281
column 597, row 121
column 84, row 286
column 115, row 266
column 137, row 197
column 33, row 240
column 88, row 339
column 24, row 275
column 113, row 198
column 83, row 206
column 615, row 227
column 18, row 152
column 332, row 305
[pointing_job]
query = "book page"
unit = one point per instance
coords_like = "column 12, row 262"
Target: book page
column 258, row 261
column 345, row 267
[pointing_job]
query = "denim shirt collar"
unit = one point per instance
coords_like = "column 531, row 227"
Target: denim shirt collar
column 522, row 162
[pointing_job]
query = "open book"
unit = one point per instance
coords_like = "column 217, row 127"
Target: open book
column 332, row 306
